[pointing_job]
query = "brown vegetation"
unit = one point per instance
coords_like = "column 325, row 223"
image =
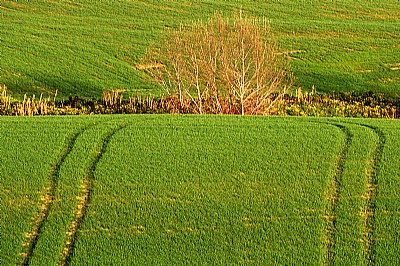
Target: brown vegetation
column 300, row 103
column 223, row 66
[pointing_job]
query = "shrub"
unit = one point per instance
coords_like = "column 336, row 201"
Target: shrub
column 221, row 66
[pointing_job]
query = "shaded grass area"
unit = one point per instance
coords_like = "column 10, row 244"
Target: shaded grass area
column 81, row 49
column 216, row 190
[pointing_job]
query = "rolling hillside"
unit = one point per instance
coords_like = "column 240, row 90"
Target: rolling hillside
column 220, row 190
column 81, row 48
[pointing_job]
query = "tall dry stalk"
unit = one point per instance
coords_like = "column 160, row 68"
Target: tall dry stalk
column 30, row 106
column 221, row 66
column 112, row 98
column 5, row 99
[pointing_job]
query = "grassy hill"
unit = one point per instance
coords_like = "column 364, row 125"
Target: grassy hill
column 219, row 190
column 82, row 48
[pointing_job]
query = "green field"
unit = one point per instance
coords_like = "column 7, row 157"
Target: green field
column 81, row 48
column 198, row 190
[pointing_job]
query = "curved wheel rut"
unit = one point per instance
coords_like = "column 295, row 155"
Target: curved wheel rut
column 369, row 196
column 87, row 185
column 333, row 194
column 47, row 199
column 368, row 212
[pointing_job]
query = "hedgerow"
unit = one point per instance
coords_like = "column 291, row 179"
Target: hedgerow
column 298, row 103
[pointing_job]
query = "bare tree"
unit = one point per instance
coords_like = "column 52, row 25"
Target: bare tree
column 221, row 66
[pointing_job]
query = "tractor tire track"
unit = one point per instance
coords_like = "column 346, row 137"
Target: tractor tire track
column 87, row 186
column 47, row 199
column 333, row 195
column 368, row 212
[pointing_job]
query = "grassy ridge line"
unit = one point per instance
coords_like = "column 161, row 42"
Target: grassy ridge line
column 47, row 199
column 87, row 187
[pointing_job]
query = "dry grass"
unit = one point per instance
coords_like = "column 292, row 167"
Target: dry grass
column 393, row 66
column 113, row 98
column 148, row 66
column 5, row 99
column 30, row 106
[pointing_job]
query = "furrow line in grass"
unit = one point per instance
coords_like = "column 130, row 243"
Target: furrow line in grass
column 87, row 185
column 368, row 212
column 47, row 200
column 333, row 194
